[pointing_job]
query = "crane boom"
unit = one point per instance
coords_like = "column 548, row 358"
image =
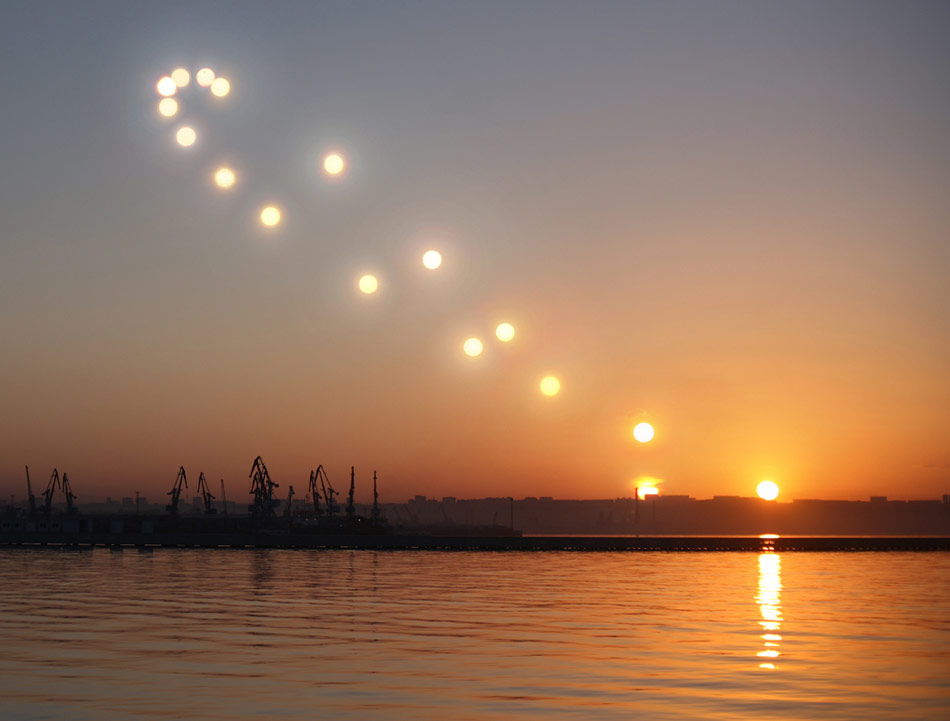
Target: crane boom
column 180, row 481
column 48, row 493
column 29, row 491
column 68, row 492
column 290, row 498
column 224, row 498
column 206, row 496
column 350, row 508
column 262, row 487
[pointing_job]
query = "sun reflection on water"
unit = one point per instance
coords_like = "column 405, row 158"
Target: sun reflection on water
column 769, row 599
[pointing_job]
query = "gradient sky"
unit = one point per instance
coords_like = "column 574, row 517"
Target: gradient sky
column 730, row 219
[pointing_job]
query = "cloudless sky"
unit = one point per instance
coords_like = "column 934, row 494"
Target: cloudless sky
column 729, row 219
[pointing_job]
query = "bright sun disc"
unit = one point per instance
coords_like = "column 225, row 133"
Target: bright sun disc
column 505, row 332
column 168, row 107
column 472, row 347
column 181, row 77
column 767, row 490
column 220, row 87
column 432, row 259
column 224, row 177
column 204, row 77
column 270, row 216
column 333, row 163
column 550, row 386
column 368, row 284
column 166, row 86
column 186, row 136
column 643, row 432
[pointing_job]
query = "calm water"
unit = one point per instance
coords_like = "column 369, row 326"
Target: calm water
column 197, row 634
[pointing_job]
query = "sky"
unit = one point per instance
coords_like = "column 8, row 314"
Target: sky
column 727, row 219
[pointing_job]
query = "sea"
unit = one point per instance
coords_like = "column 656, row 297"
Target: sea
column 342, row 634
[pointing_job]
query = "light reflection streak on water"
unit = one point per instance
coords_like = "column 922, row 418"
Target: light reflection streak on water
column 769, row 600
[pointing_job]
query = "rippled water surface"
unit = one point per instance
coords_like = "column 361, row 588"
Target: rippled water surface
column 255, row 634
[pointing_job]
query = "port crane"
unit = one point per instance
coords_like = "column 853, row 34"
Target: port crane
column 328, row 492
column 375, row 515
column 350, row 508
column 51, row 487
column 290, row 498
column 206, row 495
column 68, row 492
column 224, row 499
column 262, row 487
column 180, row 481
column 29, row 490
column 319, row 475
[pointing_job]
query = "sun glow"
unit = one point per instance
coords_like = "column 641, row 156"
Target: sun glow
column 333, row 164
column 643, row 432
column 767, row 490
column 270, row 216
column 550, row 386
column 186, row 136
column 644, row 491
column 432, row 259
column 181, row 77
column 224, row 177
column 204, row 77
column 505, row 332
column 472, row 347
column 368, row 284
column 220, row 87
column 166, row 86
column 168, row 107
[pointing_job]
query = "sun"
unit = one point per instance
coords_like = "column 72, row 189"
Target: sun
column 181, row 77
column 270, row 216
column 550, row 386
column 168, row 107
column 186, row 136
column 472, row 347
column 333, row 164
column 204, row 77
column 224, row 178
column 368, row 284
column 767, row 490
column 505, row 332
column 166, row 86
column 643, row 432
column 432, row 259
column 220, row 87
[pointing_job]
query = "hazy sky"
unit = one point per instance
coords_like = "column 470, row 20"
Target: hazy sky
column 731, row 220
